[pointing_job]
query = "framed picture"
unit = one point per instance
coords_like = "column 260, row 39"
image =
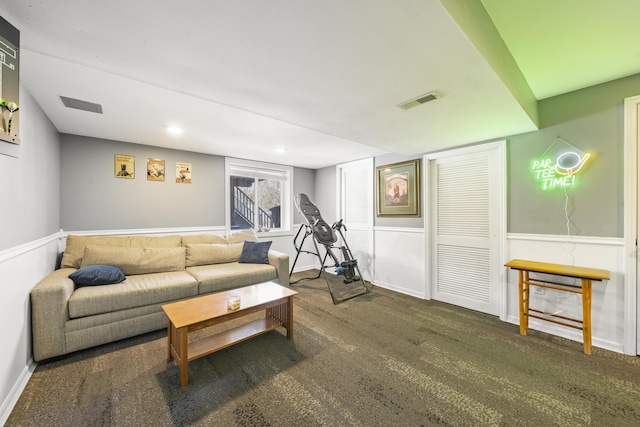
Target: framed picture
column 183, row 173
column 125, row 166
column 155, row 170
column 9, row 82
column 398, row 189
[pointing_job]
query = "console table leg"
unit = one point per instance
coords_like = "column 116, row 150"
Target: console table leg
column 586, row 315
column 521, row 303
column 526, row 297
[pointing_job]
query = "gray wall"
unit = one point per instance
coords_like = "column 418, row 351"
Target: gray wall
column 93, row 199
column 325, row 193
column 303, row 182
column 592, row 119
column 30, row 185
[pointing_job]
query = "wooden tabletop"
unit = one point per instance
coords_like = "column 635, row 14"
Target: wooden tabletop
column 559, row 269
column 188, row 312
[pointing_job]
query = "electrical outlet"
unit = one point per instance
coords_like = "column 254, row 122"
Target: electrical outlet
column 538, row 290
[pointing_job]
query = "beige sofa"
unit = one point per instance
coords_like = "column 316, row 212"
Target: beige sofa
column 159, row 270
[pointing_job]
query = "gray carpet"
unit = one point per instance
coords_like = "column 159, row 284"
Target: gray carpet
column 381, row 359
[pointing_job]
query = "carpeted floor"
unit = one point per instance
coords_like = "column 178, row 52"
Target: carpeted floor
column 381, row 359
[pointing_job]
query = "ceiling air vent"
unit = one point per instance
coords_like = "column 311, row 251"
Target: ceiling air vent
column 81, row 105
column 422, row 99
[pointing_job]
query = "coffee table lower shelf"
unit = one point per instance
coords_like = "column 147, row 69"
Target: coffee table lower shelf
column 225, row 339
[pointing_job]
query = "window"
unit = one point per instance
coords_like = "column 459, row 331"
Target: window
column 258, row 196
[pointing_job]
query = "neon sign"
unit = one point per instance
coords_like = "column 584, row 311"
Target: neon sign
column 559, row 169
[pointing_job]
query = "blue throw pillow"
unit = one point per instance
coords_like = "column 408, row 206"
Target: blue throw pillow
column 255, row 252
column 94, row 275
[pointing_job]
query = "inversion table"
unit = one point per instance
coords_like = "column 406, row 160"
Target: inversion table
column 326, row 236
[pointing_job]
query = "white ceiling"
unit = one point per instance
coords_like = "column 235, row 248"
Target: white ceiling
column 319, row 79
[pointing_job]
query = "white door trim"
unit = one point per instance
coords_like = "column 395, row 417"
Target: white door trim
column 366, row 163
column 502, row 214
column 631, row 300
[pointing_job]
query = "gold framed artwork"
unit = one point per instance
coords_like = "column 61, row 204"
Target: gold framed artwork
column 398, row 189
column 183, row 173
column 155, row 169
column 125, row 166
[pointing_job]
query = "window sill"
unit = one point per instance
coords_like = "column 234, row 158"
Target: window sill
column 276, row 233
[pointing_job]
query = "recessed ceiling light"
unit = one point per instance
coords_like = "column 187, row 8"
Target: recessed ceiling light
column 174, row 130
column 281, row 150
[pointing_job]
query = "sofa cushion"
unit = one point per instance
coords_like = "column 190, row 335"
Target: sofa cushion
column 75, row 245
column 136, row 260
column 136, row 291
column 198, row 239
column 203, row 254
column 241, row 236
column 255, row 252
column 220, row 277
column 95, row 275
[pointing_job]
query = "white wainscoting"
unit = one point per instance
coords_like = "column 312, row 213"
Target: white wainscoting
column 399, row 260
column 21, row 268
column 608, row 308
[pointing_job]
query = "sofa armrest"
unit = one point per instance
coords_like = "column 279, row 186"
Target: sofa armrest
column 49, row 313
column 280, row 261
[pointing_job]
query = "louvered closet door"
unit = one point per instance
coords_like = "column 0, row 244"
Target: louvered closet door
column 466, row 268
column 355, row 207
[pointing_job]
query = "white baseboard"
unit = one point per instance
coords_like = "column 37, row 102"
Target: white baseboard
column 298, row 269
column 16, row 391
column 568, row 333
column 402, row 290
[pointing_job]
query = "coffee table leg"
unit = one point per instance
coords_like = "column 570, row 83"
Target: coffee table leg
column 183, row 363
column 290, row 317
column 169, row 341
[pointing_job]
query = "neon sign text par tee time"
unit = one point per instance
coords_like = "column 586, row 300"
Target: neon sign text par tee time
column 559, row 171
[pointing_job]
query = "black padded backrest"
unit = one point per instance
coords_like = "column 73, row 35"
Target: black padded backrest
column 322, row 231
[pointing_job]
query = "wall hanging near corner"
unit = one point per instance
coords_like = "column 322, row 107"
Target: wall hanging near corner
column 183, row 173
column 9, row 82
column 558, row 166
column 125, row 166
column 398, row 189
column 155, row 170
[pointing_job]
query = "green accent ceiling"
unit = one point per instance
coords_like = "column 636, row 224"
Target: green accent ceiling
column 565, row 45
column 473, row 19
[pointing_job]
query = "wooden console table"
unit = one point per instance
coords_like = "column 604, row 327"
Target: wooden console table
column 586, row 275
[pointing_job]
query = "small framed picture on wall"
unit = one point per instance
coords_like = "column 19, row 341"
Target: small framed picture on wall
column 183, row 173
column 155, row 170
column 125, row 166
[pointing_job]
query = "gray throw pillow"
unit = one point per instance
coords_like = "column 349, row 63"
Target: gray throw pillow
column 255, row 252
column 95, row 275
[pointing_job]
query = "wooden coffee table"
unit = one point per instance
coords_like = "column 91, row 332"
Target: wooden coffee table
column 198, row 313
